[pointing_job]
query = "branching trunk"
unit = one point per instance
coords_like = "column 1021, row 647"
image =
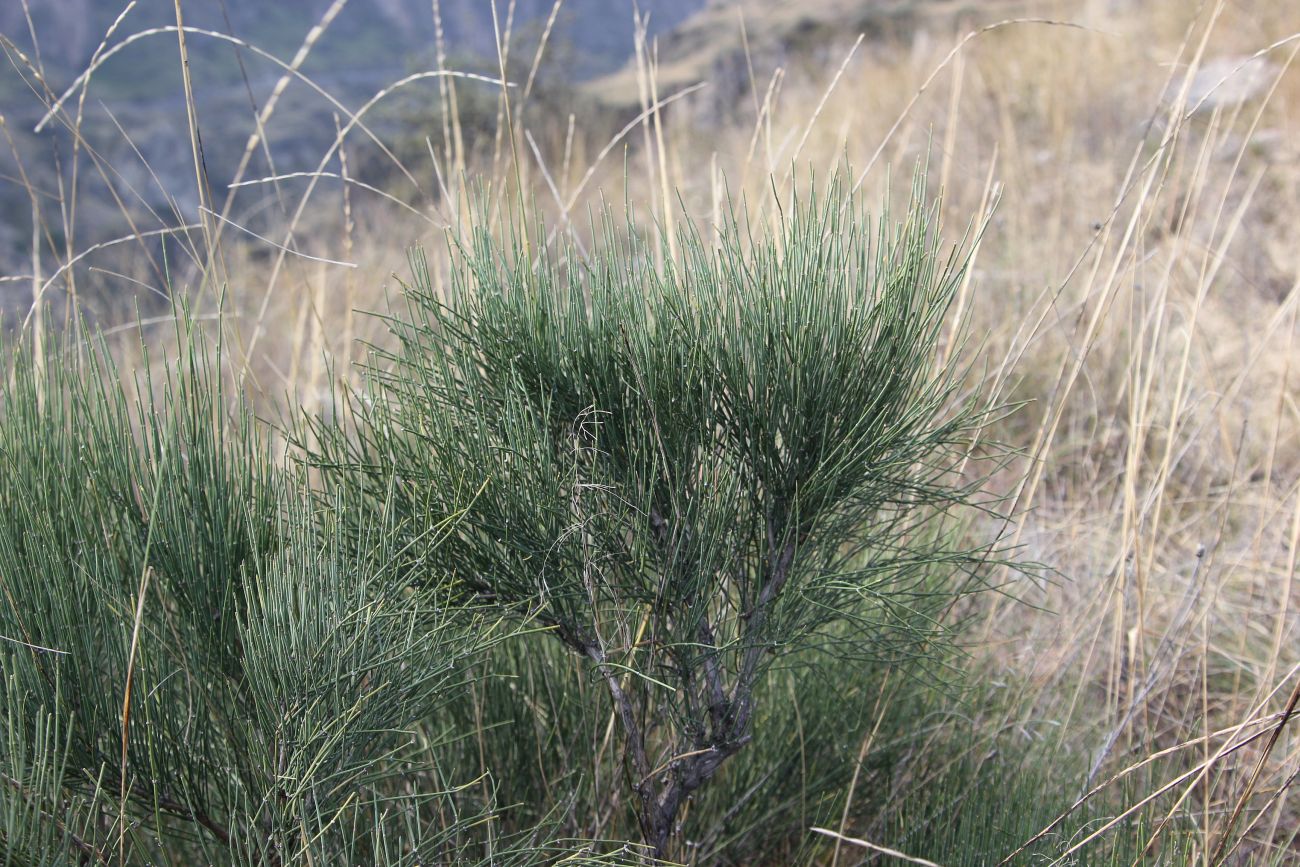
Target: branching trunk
column 633, row 740
column 662, row 791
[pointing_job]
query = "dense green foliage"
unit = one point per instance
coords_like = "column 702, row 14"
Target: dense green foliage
column 617, row 547
column 682, row 471
column 182, row 629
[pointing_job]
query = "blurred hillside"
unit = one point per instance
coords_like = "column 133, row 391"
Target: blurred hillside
column 133, row 125
column 369, row 37
column 725, row 42
column 134, row 113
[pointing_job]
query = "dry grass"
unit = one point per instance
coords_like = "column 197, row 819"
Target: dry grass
column 1138, row 284
column 1140, row 281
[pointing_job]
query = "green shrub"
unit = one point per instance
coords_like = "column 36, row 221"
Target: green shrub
column 683, row 472
column 594, row 527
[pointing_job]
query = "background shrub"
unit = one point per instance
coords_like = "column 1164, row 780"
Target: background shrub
column 196, row 669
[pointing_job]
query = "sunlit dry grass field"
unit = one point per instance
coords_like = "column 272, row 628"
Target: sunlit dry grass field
column 1126, row 178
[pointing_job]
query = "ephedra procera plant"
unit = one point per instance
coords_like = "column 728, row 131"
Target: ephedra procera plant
column 684, row 467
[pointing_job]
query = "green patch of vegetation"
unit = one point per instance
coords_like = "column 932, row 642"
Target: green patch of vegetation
column 648, row 555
